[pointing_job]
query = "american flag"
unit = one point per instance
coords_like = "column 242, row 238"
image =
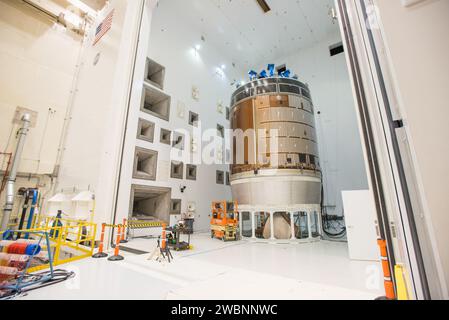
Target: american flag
column 103, row 27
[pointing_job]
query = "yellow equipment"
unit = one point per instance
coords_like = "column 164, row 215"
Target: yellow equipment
column 225, row 221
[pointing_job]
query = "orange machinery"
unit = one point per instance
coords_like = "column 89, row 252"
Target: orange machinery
column 224, row 224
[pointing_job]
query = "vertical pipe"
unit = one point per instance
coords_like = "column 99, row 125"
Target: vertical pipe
column 3, row 184
column 22, row 133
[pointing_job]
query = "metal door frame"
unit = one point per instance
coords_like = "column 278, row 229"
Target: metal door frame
column 388, row 154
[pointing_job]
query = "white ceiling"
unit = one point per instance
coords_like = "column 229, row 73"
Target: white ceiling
column 251, row 38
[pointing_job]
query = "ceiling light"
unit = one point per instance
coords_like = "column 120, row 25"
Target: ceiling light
column 198, row 47
column 220, row 72
column 223, row 67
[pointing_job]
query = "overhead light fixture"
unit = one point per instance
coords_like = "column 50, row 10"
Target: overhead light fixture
column 264, row 5
column 333, row 15
column 196, row 50
column 223, row 67
column 83, row 7
column 220, row 72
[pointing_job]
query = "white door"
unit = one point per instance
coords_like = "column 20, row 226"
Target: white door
column 360, row 216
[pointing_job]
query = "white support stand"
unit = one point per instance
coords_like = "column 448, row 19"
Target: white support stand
column 241, row 225
column 291, row 210
column 253, row 224
column 292, row 225
column 320, row 226
column 309, row 224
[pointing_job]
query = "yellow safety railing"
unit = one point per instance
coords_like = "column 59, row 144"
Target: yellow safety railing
column 70, row 240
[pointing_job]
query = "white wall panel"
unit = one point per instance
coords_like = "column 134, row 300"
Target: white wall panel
column 38, row 60
column 171, row 44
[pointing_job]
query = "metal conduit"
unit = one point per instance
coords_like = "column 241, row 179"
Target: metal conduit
column 22, row 133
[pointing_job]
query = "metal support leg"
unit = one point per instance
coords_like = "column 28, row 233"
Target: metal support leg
column 253, row 225
column 272, row 226
column 309, row 224
column 292, row 225
column 320, row 226
column 241, row 224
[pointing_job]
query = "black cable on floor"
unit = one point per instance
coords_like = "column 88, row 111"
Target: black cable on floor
column 59, row 275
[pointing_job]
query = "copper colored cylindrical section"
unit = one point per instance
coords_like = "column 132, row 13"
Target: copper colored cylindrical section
column 274, row 136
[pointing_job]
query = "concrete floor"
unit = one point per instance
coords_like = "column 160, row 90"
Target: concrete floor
column 217, row 270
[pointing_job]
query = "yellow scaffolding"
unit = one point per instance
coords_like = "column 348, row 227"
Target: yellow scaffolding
column 70, row 240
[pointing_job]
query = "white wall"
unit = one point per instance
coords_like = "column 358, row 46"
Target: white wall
column 92, row 148
column 171, row 44
column 417, row 45
column 338, row 135
column 38, row 59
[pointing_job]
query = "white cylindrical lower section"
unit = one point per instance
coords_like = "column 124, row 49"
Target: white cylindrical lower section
column 279, row 190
